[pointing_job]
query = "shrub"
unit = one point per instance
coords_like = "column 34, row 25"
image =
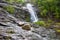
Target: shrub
column 50, row 7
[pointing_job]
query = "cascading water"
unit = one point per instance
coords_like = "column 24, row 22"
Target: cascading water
column 32, row 12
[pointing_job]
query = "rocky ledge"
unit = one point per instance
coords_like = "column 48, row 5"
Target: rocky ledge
column 14, row 29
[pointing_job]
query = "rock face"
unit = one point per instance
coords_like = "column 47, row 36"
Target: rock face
column 11, row 29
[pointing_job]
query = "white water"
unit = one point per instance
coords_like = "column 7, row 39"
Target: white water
column 32, row 12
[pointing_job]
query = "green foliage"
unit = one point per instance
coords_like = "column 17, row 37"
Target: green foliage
column 27, row 19
column 50, row 7
column 19, row 1
column 41, row 23
column 46, row 24
column 49, row 20
column 57, row 27
column 14, row 1
column 10, row 1
column 10, row 9
column 43, row 12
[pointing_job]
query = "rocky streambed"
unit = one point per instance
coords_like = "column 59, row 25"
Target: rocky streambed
column 13, row 29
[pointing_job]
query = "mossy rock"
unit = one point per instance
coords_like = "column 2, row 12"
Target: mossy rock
column 10, row 9
column 26, row 27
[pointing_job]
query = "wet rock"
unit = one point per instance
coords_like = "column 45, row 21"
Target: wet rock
column 1, row 36
column 34, row 37
column 45, row 33
column 21, row 24
column 39, row 30
column 2, row 24
column 3, row 17
column 6, row 37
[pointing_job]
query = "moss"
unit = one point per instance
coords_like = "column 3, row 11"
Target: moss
column 9, row 8
column 15, row 1
column 57, row 27
column 27, row 17
column 57, row 23
column 41, row 23
column 58, row 30
column 50, row 21
column 10, row 1
column 45, row 24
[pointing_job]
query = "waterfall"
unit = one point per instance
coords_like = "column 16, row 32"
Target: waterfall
column 32, row 12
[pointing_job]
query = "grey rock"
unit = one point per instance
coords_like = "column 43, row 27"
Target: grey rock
column 15, row 32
